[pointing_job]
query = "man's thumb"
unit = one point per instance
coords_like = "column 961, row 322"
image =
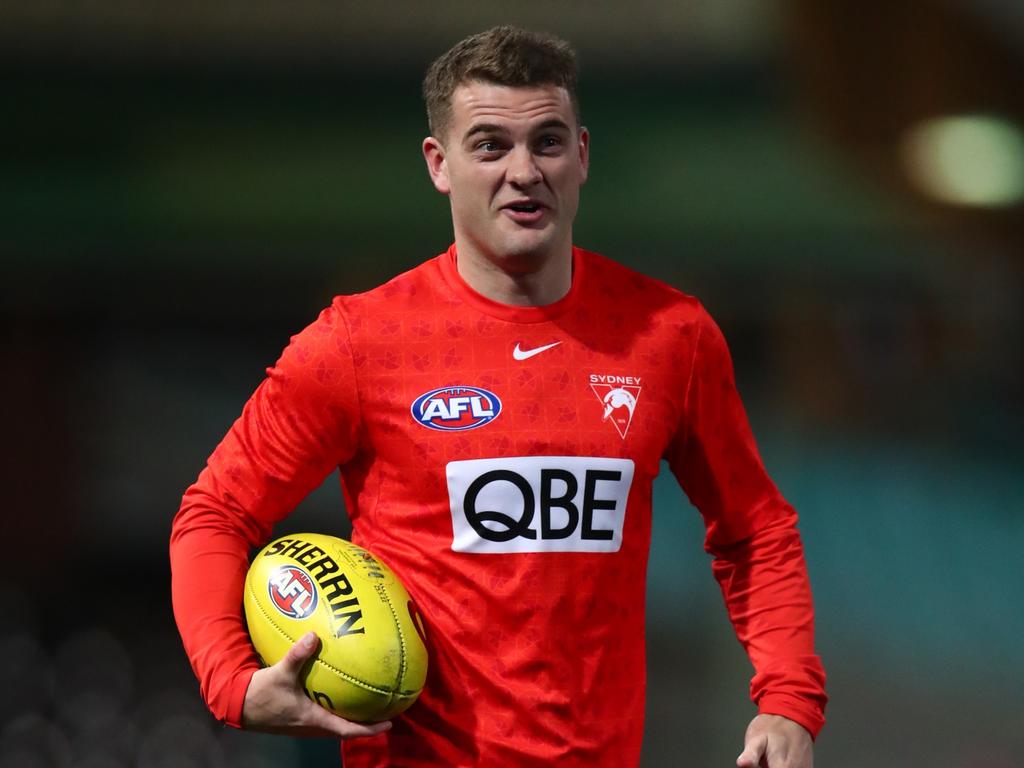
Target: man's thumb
column 299, row 653
column 752, row 752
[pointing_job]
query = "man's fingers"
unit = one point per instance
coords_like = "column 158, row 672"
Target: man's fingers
column 752, row 752
column 299, row 654
column 346, row 729
column 351, row 730
column 276, row 702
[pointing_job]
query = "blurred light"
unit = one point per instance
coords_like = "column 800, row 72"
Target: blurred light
column 247, row 749
column 180, row 741
column 100, row 761
column 26, row 677
column 104, row 735
column 93, row 666
column 32, row 741
column 161, row 704
column 975, row 160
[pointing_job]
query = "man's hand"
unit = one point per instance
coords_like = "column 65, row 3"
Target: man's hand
column 773, row 741
column 276, row 703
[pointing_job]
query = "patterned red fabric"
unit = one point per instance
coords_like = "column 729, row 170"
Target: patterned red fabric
column 536, row 657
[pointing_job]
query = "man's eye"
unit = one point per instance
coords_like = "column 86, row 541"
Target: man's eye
column 550, row 142
column 488, row 146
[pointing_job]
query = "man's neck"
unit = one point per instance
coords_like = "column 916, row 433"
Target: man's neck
column 520, row 284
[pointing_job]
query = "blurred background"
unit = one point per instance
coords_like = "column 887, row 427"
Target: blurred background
column 186, row 184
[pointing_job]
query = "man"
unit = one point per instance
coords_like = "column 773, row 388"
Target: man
column 518, row 519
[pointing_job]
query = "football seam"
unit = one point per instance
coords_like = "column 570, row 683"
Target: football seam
column 341, row 673
column 403, row 663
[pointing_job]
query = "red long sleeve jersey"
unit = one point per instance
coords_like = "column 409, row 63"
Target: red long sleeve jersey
column 500, row 460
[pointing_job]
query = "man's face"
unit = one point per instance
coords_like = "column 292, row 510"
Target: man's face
column 512, row 163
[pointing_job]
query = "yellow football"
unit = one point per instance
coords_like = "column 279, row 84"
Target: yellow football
column 372, row 662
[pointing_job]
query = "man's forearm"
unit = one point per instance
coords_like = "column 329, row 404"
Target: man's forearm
column 768, row 597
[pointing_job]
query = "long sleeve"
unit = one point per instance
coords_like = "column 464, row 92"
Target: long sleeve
column 299, row 425
column 751, row 531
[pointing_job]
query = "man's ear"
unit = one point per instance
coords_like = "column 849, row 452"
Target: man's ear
column 437, row 167
column 584, row 153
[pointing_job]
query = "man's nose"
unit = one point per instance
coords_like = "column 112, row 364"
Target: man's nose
column 523, row 170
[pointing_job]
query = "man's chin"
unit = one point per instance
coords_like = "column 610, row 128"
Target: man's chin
column 532, row 245
column 526, row 256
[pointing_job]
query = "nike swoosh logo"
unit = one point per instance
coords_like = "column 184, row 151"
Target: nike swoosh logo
column 526, row 354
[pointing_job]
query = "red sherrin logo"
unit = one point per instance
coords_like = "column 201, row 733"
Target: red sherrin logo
column 292, row 592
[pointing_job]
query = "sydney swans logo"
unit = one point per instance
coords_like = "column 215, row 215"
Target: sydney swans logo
column 618, row 396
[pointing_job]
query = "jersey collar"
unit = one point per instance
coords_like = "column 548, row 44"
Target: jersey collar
column 508, row 312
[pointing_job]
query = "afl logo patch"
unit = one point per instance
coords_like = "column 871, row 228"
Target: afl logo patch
column 292, row 592
column 454, row 409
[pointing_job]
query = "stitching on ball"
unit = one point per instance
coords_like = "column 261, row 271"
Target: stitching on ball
column 403, row 663
column 339, row 672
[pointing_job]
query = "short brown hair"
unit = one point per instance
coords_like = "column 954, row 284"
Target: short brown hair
column 502, row 55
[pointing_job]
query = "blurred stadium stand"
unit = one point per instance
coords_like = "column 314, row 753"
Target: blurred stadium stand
column 186, row 184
